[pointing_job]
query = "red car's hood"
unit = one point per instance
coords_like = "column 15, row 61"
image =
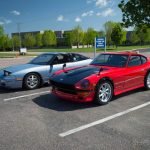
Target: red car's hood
column 75, row 75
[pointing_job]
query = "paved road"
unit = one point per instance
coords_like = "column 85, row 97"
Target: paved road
column 36, row 119
column 35, row 122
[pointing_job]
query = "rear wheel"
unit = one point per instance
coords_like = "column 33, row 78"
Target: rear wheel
column 32, row 81
column 147, row 81
column 104, row 93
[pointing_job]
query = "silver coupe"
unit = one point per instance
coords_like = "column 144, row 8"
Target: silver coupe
column 38, row 71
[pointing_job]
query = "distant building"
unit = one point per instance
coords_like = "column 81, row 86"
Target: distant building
column 22, row 34
column 60, row 36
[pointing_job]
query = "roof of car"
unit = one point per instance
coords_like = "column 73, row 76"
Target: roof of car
column 124, row 53
column 55, row 53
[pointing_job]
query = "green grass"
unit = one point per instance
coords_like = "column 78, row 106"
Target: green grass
column 121, row 48
column 32, row 52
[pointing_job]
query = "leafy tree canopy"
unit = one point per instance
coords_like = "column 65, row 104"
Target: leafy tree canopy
column 135, row 12
column 117, row 34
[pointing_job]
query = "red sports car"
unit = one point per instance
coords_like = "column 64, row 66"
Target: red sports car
column 109, row 74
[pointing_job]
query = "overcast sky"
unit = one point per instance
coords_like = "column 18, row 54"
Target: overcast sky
column 35, row 15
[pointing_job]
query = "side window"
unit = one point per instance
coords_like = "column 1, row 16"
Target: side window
column 77, row 57
column 59, row 59
column 143, row 59
column 134, row 61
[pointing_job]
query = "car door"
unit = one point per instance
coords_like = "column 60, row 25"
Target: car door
column 134, row 75
column 58, row 62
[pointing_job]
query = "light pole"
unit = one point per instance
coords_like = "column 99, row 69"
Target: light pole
column 18, row 28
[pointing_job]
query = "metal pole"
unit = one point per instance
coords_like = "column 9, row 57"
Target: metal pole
column 18, row 27
column 105, row 44
column 94, row 47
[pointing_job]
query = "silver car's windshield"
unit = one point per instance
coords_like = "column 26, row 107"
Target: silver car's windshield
column 43, row 59
column 112, row 60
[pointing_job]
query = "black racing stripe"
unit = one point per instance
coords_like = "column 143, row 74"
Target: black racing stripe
column 73, row 76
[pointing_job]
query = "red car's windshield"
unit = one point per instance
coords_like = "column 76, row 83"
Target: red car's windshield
column 112, row 60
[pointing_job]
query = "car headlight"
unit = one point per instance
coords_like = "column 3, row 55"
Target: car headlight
column 83, row 85
column 7, row 73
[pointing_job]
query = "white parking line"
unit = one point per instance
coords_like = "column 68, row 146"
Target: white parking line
column 102, row 120
column 22, row 96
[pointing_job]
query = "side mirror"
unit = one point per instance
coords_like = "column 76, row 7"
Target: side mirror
column 64, row 65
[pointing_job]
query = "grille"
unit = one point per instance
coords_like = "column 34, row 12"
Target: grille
column 63, row 87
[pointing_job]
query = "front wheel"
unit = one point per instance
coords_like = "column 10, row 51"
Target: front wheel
column 32, row 81
column 147, row 81
column 104, row 93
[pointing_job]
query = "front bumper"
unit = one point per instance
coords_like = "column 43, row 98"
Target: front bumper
column 87, row 97
column 10, row 82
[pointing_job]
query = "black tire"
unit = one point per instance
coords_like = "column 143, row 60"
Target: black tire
column 99, row 98
column 147, row 81
column 32, row 81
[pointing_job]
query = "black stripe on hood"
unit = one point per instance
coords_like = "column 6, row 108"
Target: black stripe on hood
column 75, row 75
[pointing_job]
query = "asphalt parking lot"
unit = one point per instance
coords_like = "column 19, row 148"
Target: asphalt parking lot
column 38, row 120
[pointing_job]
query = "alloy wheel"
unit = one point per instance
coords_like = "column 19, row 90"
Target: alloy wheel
column 105, row 92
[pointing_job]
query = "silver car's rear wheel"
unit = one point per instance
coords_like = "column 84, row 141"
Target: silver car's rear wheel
column 32, row 81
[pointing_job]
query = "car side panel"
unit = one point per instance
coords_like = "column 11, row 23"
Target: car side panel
column 42, row 70
column 134, row 76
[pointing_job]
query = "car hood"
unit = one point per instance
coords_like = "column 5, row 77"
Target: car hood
column 17, row 68
column 73, row 76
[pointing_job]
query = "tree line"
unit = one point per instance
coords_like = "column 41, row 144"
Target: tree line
column 113, row 31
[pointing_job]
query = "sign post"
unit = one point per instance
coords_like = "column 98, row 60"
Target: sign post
column 100, row 42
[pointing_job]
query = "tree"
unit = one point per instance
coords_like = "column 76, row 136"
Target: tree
column 147, row 38
column 142, row 33
column 124, row 33
column 29, row 40
column 68, row 38
column 108, row 31
column 101, row 33
column 5, row 42
column 49, row 38
column 90, row 36
column 77, row 35
column 16, row 41
column 135, row 12
column 53, row 38
column 38, row 39
column 117, row 34
column 134, row 38
column 1, row 31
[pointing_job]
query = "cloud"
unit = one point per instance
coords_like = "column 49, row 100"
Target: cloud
column 102, row 3
column 89, row 13
column 90, row 1
column 4, row 21
column 7, row 21
column 60, row 18
column 78, row 19
column 106, row 13
column 15, row 12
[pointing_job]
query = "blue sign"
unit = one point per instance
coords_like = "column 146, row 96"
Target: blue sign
column 100, row 42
